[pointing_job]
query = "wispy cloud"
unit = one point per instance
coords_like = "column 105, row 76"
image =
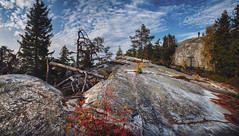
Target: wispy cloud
column 114, row 21
column 208, row 14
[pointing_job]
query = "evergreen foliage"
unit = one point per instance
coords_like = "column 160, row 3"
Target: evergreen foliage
column 94, row 51
column 168, row 49
column 107, row 56
column 36, row 40
column 139, row 40
column 119, row 52
column 5, row 56
column 221, row 48
column 64, row 59
column 221, row 44
column 156, row 52
column 144, row 49
column 234, row 50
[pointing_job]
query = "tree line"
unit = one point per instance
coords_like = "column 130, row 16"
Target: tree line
column 34, row 48
column 221, row 44
column 158, row 52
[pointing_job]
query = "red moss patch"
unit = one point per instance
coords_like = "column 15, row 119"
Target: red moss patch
column 231, row 104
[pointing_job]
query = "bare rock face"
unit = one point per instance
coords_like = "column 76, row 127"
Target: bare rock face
column 164, row 105
column 29, row 106
column 190, row 52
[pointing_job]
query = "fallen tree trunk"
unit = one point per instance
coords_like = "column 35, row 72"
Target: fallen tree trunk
column 75, row 69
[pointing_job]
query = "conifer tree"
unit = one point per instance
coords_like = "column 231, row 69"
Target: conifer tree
column 119, row 52
column 5, row 56
column 168, row 49
column 156, row 52
column 221, row 48
column 140, row 39
column 63, row 59
column 65, row 56
column 234, row 51
column 148, row 51
column 36, row 40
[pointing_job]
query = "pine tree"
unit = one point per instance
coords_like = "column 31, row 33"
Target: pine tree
column 234, row 51
column 148, row 51
column 63, row 59
column 65, row 56
column 119, row 52
column 140, row 39
column 36, row 40
column 168, row 49
column 220, row 51
column 107, row 56
column 156, row 52
column 5, row 57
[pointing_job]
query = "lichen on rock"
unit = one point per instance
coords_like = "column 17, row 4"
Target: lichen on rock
column 29, row 106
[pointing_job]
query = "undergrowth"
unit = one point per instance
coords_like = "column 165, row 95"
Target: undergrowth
column 99, row 119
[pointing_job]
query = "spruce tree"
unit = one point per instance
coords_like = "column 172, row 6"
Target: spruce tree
column 168, row 49
column 148, row 51
column 5, row 56
column 119, row 52
column 220, row 51
column 156, row 52
column 36, row 40
column 234, row 51
column 140, row 39
column 65, row 56
column 63, row 59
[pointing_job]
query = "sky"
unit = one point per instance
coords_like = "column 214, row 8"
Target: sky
column 115, row 20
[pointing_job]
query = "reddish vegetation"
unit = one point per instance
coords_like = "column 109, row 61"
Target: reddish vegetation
column 231, row 104
column 90, row 121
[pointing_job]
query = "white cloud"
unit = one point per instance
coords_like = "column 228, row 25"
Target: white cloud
column 114, row 24
column 24, row 3
column 189, row 35
column 7, row 4
column 209, row 14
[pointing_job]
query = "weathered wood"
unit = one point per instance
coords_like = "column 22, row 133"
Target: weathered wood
column 62, row 82
column 48, row 72
column 75, row 69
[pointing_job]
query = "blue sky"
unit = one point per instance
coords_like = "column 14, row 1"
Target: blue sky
column 115, row 20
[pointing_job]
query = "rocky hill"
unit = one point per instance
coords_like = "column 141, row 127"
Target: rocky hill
column 165, row 105
column 189, row 51
column 163, row 102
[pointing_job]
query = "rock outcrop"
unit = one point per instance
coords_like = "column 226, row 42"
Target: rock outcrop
column 29, row 106
column 164, row 105
column 189, row 52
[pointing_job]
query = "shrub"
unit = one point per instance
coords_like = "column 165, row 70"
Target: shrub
column 196, row 77
column 139, row 67
column 92, row 121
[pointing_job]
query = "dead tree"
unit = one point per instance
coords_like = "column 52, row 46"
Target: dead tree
column 87, row 51
column 80, row 85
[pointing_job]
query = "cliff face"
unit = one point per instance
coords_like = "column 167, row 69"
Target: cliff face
column 162, row 104
column 189, row 51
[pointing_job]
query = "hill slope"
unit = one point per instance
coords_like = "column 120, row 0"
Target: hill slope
column 163, row 104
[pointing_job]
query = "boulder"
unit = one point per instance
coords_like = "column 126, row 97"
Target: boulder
column 162, row 104
column 29, row 106
column 189, row 51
